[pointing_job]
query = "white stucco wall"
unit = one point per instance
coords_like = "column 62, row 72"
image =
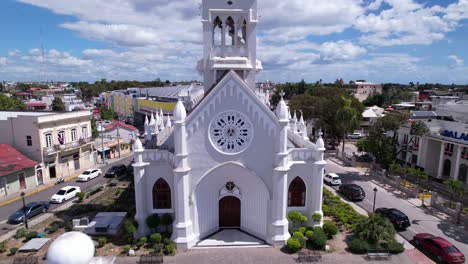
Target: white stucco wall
column 254, row 197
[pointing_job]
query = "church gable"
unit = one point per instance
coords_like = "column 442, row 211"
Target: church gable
column 231, row 90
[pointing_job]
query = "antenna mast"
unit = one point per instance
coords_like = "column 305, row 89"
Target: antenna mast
column 44, row 67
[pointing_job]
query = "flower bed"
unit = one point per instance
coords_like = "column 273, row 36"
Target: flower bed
column 340, row 211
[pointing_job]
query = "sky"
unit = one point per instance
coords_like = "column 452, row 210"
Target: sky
column 380, row 41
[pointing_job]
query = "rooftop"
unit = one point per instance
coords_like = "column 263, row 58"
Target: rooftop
column 172, row 92
column 114, row 124
column 12, row 161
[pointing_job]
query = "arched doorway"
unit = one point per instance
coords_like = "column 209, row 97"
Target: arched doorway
column 446, row 169
column 463, row 173
column 229, row 212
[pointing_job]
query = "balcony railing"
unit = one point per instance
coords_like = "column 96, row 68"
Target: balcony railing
column 67, row 146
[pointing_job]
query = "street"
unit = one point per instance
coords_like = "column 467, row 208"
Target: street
column 421, row 220
column 46, row 194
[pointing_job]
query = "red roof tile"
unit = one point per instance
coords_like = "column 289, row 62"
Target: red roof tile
column 114, row 124
column 12, row 161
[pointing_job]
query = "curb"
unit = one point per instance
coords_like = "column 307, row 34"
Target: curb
column 407, row 245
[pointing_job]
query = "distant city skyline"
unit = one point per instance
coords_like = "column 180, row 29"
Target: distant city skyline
column 377, row 40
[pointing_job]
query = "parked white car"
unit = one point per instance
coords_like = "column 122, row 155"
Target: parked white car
column 64, row 194
column 355, row 136
column 332, row 179
column 89, row 174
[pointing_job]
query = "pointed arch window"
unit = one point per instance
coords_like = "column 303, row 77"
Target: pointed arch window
column 217, row 32
column 230, row 27
column 242, row 32
column 296, row 192
column 161, row 195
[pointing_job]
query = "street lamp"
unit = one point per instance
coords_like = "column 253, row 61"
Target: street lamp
column 24, row 211
column 375, row 195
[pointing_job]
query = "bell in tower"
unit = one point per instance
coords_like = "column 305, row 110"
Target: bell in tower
column 230, row 40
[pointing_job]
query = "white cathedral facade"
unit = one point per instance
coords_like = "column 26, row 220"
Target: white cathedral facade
column 231, row 162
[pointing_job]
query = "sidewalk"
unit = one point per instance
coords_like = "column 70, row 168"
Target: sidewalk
column 410, row 251
column 30, row 191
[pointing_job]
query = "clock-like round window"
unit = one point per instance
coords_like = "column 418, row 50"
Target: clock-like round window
column 231, row 132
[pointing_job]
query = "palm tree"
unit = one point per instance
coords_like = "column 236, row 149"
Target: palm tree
column 456, row 189
column 375, row 229
column 347, row 119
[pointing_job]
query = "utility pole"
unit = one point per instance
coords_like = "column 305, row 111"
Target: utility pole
column 102, row 137
column 118, row 137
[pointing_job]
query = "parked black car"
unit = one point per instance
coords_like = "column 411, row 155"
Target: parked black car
column 116, row 171
column 397, row 217
column 30, row 210
column 352, row 191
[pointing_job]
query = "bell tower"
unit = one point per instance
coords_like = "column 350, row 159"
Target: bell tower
column 230, row 40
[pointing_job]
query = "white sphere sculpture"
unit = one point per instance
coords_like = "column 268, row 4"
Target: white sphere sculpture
column 71, row 248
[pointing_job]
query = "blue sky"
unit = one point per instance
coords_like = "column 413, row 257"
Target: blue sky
column 377, row 40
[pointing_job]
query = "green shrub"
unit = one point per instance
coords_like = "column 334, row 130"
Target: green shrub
column 326, row 210
column 155, row 238
column 330, row 229
column 309, row 233
column 297, row 217
column 13, row 251
column 294, row 244
column 375, row 229
column 3, row 246
column 166, row 219
column 167, row 241
column 141, row 242
column 170, row 249
column 20, row 232
column 358, row 246
column 130, row 226
column 51, row 229
column 158, row 248
column 30, row 235
column 126, row 248
column 302, row 229
column 102, row 241
column 298, row 234
column 152, row 221
column 318, row 240
column 394, row 247
column 60, row 224
column 81, row 196
column 316, row 217
column 339, row 210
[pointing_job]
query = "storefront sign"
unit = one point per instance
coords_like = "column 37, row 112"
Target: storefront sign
column 455, row 135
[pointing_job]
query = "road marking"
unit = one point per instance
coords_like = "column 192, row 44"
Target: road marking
column 4, row 221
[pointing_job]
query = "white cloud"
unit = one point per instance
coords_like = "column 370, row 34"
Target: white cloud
column 405, row 23
column 341, row 50
column 3, row 61
column 455, row 61
column 13, row 53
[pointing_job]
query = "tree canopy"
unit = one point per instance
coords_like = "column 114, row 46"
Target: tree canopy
column 58, row 105
column 382, row 138
column 11, row 103
column 107, row 113
column 322, row 105
column 94, row 89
